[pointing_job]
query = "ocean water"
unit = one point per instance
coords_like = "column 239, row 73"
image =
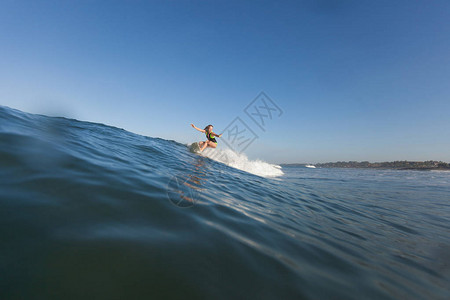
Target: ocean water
column 89, row 211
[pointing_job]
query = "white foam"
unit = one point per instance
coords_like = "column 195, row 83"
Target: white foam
column 240, row 161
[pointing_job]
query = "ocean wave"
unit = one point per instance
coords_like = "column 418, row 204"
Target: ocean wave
column 90, row 209
column 242, row 162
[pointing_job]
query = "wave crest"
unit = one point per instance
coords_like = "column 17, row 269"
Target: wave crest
column 242, row 162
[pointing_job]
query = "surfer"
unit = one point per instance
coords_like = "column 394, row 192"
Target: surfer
column 210, row 135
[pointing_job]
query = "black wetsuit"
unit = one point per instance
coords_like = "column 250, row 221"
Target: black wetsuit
column 212, row 139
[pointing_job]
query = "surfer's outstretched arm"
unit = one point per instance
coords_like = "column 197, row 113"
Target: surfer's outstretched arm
column 201, row 130
column 218, row 135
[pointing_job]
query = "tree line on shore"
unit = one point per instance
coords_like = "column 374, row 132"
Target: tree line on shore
column 399, row 164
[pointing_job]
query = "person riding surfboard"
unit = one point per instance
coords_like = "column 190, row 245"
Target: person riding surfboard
column 210, row 136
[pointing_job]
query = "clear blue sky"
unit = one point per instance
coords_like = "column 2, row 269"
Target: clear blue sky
column 357, row 80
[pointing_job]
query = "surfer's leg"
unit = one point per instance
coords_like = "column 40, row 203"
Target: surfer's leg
column 212, row 144
column 203, row 145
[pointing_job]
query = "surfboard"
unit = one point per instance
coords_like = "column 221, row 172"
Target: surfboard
column 194, row 147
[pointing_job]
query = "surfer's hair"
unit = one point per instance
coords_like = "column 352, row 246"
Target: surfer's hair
column 206, row 128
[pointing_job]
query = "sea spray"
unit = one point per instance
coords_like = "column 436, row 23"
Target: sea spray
column 242, row 162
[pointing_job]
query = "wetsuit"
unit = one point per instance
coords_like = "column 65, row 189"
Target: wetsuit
column 210, row 138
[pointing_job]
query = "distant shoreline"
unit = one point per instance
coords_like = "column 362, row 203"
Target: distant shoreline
column 429, row 165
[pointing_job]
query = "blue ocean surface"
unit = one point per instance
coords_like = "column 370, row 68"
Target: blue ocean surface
column 90, row 211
